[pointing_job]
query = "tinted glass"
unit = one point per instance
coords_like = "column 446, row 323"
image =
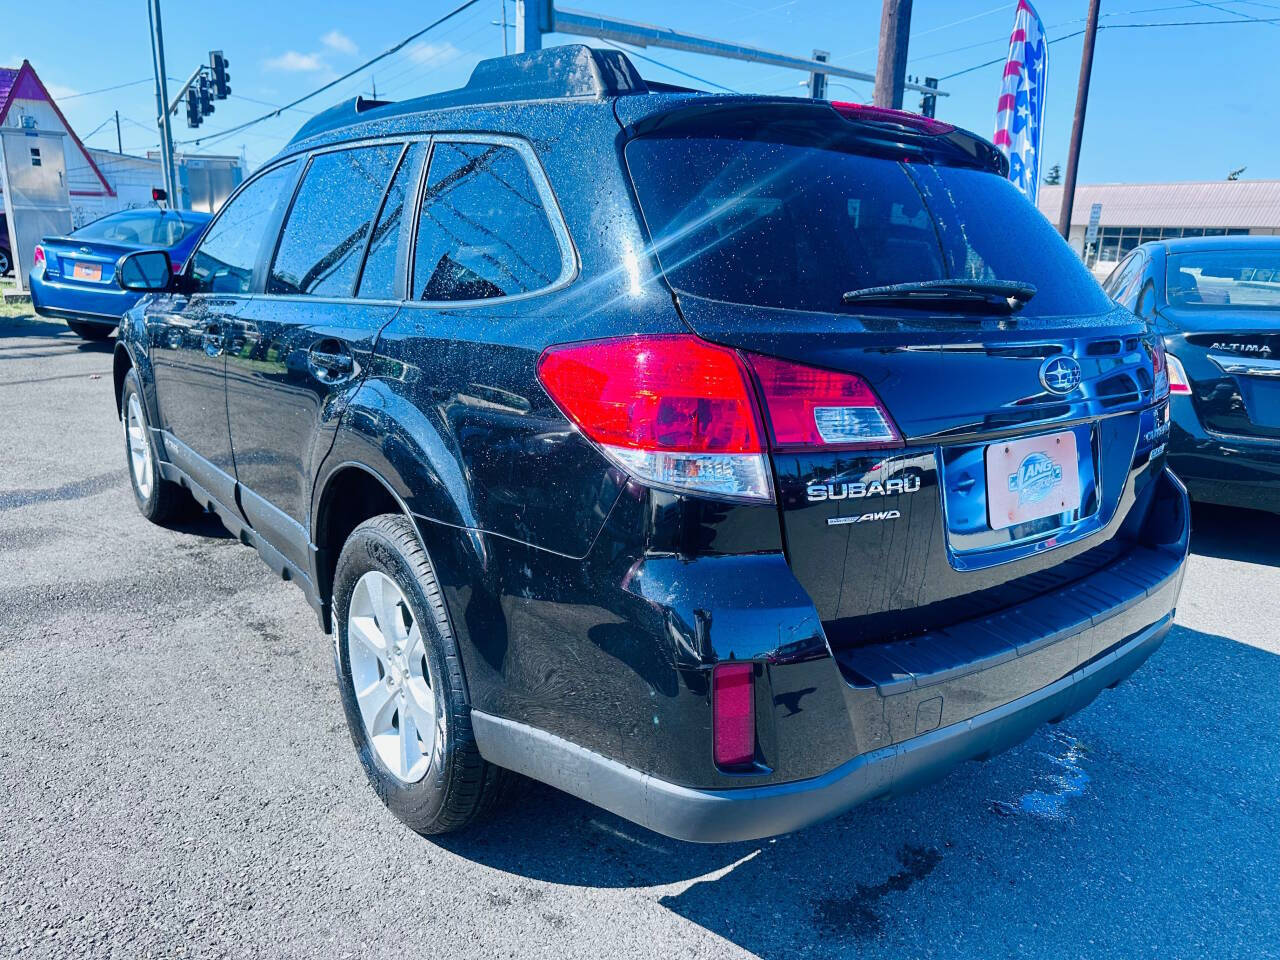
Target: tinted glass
column 483, row 231
column 1217, row 278
column 324, row 239
column 223, row 263
column 788, row 225
column 144, row 228
column 378, row 281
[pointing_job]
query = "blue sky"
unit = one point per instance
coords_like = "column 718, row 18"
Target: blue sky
column 1167, row 103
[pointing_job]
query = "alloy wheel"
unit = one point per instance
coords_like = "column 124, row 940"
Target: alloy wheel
column 135, row 428
column 391, row 676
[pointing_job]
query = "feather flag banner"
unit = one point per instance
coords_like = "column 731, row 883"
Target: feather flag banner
column 1020, row 110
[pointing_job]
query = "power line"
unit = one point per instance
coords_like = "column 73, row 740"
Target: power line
column 346, row 76
column 1114, row 26
column 118, row 86
column 1004, row 39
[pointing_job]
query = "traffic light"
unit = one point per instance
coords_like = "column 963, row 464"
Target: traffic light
column 206, row 96
column 221, row 79
column 193, row 108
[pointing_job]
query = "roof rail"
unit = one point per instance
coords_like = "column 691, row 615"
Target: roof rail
column 570, row 71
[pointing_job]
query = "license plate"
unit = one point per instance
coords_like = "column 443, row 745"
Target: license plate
column 1032, row 478
column 87, row 271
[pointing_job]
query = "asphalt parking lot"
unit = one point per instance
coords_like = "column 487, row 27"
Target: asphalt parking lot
column 176, row 778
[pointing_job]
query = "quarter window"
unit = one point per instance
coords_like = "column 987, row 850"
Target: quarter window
column 327, row 231
column 223, row 263
column 483, row 231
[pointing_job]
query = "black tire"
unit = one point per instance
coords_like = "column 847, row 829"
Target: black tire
column 459, row 786
column 6, row 262
column 165, row 501
column 90, row 331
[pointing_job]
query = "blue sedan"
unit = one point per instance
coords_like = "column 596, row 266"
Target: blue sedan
column 73, row 278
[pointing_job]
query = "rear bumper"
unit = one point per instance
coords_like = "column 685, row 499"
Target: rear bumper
column 925, row 705
column 725, row 816
column 64, row 301
column 1230, row 471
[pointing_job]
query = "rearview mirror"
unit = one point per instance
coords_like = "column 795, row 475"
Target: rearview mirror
column 145, row 271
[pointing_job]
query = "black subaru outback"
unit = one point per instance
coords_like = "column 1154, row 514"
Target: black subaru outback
column 723, row 460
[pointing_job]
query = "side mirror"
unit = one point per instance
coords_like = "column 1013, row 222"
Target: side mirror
column 145, row 271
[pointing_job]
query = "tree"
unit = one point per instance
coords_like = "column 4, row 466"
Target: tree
column 1054, row 176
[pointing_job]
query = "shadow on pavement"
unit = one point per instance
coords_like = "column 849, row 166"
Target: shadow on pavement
column 1145, row 825
column 1250, row 536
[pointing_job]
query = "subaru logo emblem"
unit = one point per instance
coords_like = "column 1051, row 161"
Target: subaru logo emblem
column 1060, row 374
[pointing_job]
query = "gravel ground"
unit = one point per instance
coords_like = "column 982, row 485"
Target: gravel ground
column 176, row 778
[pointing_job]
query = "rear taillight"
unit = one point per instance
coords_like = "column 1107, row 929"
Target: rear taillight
column 809, row 407
column 1159, row 369
column 733, row 714
column 680, row 413
column 1178, row 382
column 38, row 258
column 673, row 411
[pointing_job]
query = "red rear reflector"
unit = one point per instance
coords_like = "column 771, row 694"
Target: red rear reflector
column 39, row 256
column 674, row 411
column 809, row 407
column 734, row 714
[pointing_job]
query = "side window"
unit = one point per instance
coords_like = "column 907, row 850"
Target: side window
column 325, row 236
column 1127, row 293
column 1116, row 277
column 224, row 261
column 378, row 280
column 483, row 231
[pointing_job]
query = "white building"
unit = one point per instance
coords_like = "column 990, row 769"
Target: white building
column 1133, row 213
column 100, row 181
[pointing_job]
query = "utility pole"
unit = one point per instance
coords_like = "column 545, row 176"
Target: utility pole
column 1077, row 125
column 818, row 81
column 162, row 106
column 504, row 28
column 119, row 142
column 891, row 66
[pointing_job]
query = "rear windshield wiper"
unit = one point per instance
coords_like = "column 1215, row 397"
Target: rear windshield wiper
column 1012, row 294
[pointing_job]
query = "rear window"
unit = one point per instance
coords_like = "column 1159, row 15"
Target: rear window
column 1217, row 278
column 146, row 228
column 796, row 225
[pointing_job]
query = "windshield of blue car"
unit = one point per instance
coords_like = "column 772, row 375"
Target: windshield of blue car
column 781, row 223
column 144, row 228
column 1219, row 278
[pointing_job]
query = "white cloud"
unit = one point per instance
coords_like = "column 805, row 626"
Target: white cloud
column 291, row 61
column 338, row 41
column 60, row 90
column 433, row 54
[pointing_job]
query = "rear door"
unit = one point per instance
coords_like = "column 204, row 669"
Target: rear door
column 1223, row 313
column 301, row 347
column 980, row 444
column 188, row 332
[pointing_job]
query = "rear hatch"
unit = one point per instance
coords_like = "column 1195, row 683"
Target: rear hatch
column 1224, row 305
column 1010, row 433
column 76, row 263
